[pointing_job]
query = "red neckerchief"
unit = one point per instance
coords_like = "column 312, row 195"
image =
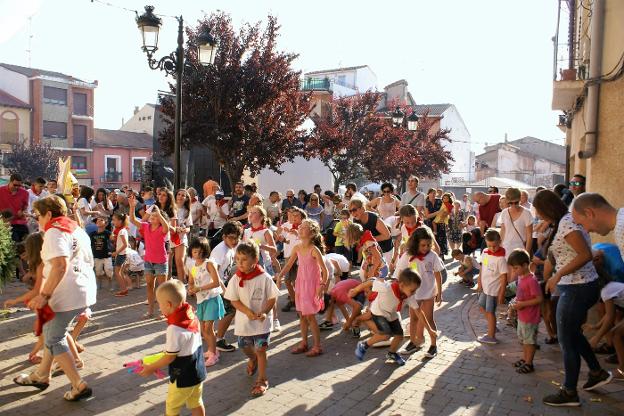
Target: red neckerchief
column 194, row 199
column 44, row 315
column 32, row 188
column 65, row 224
column 256, row 271
column 398, row 294
column 418, row 256
column 449, row 206
column 372, row 296
column 366, row 237
column 220, row 202
column 294, row 226
column 184, row 317
column 498, row 253
column 116, row 232
column 410, row 230
column 253, row 230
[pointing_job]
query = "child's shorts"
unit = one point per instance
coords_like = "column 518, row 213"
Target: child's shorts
column 386, row 327
column 156, row 269
column 340, row 292
column 211, row 309
column 180, row 396
column 257, row 341
column 120, row 259
column 527, row 333
column 103, row 267
column 227, row 305
column 488, row 302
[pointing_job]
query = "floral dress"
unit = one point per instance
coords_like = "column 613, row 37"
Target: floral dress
column 440, row 234
column 455, row 228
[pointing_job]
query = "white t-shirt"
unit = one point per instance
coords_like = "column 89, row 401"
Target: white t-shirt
column 123, row 232
column 492, row 267
column 32, row 197
column 254, row 294
column 185, row 220
column 196, row 211
column 391, row 223
column 290, row 239
column 386, row 303
column 135, row 261
column 341, row 260
column 223, row 256
column 259, row 237
column 83, row 203
column 181, row 342
column 418, row 201
column 613, row 291
column 619, row 230
column 513, row 239
column 77, row 289
column 426, row 269
column 564, row 253
column 212, row 211
column 202, row 277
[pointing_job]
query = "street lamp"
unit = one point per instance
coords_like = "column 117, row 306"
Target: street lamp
column 397, row 116
column 173, row 64
column 412, row 121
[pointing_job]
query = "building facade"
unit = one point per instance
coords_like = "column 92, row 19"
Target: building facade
column 14, row 125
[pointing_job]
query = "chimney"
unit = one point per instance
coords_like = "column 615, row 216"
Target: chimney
column 122, row 122
column 505, row 137
column 136, row 109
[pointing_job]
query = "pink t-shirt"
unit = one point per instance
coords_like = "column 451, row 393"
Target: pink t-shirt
column 155, row 251
column 341, row 290
column 528, row 288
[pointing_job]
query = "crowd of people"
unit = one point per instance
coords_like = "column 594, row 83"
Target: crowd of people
column 366, row 255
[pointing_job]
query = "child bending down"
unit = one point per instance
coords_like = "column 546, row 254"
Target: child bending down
column 339, row 297
column 253, row 293
column 373, row 262
column 468, row 267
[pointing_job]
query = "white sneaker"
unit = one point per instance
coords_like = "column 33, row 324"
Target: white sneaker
column 276, row 325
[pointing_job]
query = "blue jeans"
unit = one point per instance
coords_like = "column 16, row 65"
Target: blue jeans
column 574, row 302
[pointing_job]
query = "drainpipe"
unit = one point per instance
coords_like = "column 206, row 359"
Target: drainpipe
column 595, row 71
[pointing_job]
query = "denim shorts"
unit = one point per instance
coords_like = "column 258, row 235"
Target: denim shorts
column 386, row 327
column 156, row 269
column 120, row 259
column 527, row 333
column 55, row 331
column 488, row 302
column 257, row 341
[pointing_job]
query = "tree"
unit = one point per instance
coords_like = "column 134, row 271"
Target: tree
column 32, row 161
column 246, row 108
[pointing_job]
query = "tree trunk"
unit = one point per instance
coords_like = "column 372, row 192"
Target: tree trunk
column 234, row 175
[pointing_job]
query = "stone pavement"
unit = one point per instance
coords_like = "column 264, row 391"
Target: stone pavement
column 465, row 378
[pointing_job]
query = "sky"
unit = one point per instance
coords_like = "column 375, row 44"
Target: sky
column 492, row 59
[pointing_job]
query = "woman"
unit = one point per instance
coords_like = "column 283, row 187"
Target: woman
column 371, row 222
column 577, row 281
column 101, row 203
column 516, row 224
column 182, row 229
column 303, row 198
column 197, row 213
column 329, row 209
column 433, row 207
column 314, row 209
column 84, row 210
column 69, row 288
column 456, row 225
column 386, row 204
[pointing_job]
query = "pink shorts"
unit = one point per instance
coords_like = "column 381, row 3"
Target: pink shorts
column 341, row 289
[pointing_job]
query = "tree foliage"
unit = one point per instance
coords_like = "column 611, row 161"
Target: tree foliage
column 8, row 260
column 32, row 161
column 246, row 108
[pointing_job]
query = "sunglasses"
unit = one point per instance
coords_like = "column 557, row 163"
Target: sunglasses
column 386, row 191
column 352, row 210
column 513, row 203
column 576, row 183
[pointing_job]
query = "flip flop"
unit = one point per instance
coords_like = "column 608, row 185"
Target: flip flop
column 27, row 381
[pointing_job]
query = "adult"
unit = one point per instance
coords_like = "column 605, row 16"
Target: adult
column 122, row 206
column 14, row 198
column 492, row 190
column 351, row 192
column 564, row 193
column 37, row 191
column 488, row 207
column 577, row 185
column 210, row 187
column 68, row 289
column 51, row 186
column 101, row 203
column 182, row 227
column 217, row 210
column 315, row 210
column 303, row 198
column 329, row 209
column 524, row 199
column 238, row 204
column 412, row 196
column 84, row 210
column 319, row 191
column 433, row 207
column 577, row 281
column 456, row 225
column 290, row 201
column 516, row 224
column 596, row 215
column 272, row 207
column 198, row 214
column 371, row 222
column 502, row 204
column 385, row 205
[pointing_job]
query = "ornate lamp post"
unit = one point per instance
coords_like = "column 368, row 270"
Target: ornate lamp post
column 397, row 116
column 412, row 121
column 173, row 64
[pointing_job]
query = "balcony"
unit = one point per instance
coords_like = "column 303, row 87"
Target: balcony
column 315, row 84
column 11, row 138
column 137, row 176
column 57, row 142
column 112, row 177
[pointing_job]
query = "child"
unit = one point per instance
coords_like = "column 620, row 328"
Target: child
column 444, row 212
column 156, row 263
column 339, row 297
column 289, row 234
column 471, row 223
column 492, row 282
column 339, row 232
column 420, row 258
column 134, row 266
column 223, row 256
column 385, row 322
column 528, row 300
column 205, row 283
column 342, row 266
column 183, row 351
column 120, row 238
column 253, row 293
column 468, row 267
column 373, row 263
column 310, row 284
column 101, row 253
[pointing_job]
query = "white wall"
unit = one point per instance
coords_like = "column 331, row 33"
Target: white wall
column 365, row 80
column 137, row 124
column 15, row 84
column 300, row 174
column 462, row 168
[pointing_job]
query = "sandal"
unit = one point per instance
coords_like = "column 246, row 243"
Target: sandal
column 519, row 363
column 121, row 293
column 260, row 388
column 525, row 369
column 251, row 369
column 30, row 381
column 314, row 351
column 148, row 315
column 618, row 375
column 551, row 341
column 72, row 396
column 299, row 349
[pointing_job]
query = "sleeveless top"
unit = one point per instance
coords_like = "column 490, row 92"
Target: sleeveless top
column 386, row 209
column 371, row 225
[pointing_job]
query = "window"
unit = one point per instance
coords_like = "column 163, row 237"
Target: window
column 54, row 130
column 52, row 95
column 10, row 128
column 341, row 80
column 137, row 168
column 80, row 104
column 78, row 162
column 80, row 136
column 112, row 164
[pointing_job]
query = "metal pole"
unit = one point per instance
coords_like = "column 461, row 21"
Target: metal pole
column 178, row 112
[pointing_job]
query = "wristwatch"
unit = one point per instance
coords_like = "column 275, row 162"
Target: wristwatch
column 45, row 296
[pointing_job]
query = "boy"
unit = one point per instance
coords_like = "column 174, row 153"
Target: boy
column 491, row 283
column 223, row 255
column 253, row 293
column 528, row 301
column 183, row 351
column 101, row 253
column 290, row 236
column 339, row 232
column 468, row 267
column 385, row 322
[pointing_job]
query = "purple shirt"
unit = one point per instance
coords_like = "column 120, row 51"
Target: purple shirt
column 528, row 288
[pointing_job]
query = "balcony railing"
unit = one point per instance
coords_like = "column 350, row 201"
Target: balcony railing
column 111, row 177
column 571, row 43
column 11, row 138
column 57, row 142
column 315, row 84
column 137, row 176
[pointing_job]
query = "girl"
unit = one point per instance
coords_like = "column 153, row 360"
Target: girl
column 204, row 282
column 456, row 224
column 120, row 239
column 419, row 257
column 442, row 217
column 373, row 263
column 182, row 228
column 309, row 286
column 154, row 232
column 339, row 232
column 471, row 223
column 386, row 205
column 314, row 209
column 166, row 205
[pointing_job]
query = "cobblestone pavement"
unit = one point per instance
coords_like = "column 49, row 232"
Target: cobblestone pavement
column 464, row 379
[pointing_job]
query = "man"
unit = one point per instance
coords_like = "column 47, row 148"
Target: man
column 290, row 201
column 492, row 190
column 318, row 190
column 238, row 204
column 37, row 191
column 488, row 208
column 52, row 186
column 577, row 185
column 122, row 206
column 412, row 196
column 210, row 187
column 351, row 193
column 524, row 199
column 14, row 198
column 596, row 215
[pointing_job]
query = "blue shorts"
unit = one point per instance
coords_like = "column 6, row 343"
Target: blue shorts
column 211, row 309
column 120, row 259
column 156, row 269
column 386, row 327
column 488, row 302
column 55, row 331
column 257, row 341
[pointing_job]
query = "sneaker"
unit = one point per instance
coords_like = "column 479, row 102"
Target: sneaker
column 288, row 306
column 360, row 350
column 212, row 359
column 355, row 332
column 600, row 379
column 410, row 348
column 431, row 352
column 484, row 339
column 562, row 399
column 222, row 345
column 395, row 357
column 326, row 326
column 612, row 359
column 277, row 327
